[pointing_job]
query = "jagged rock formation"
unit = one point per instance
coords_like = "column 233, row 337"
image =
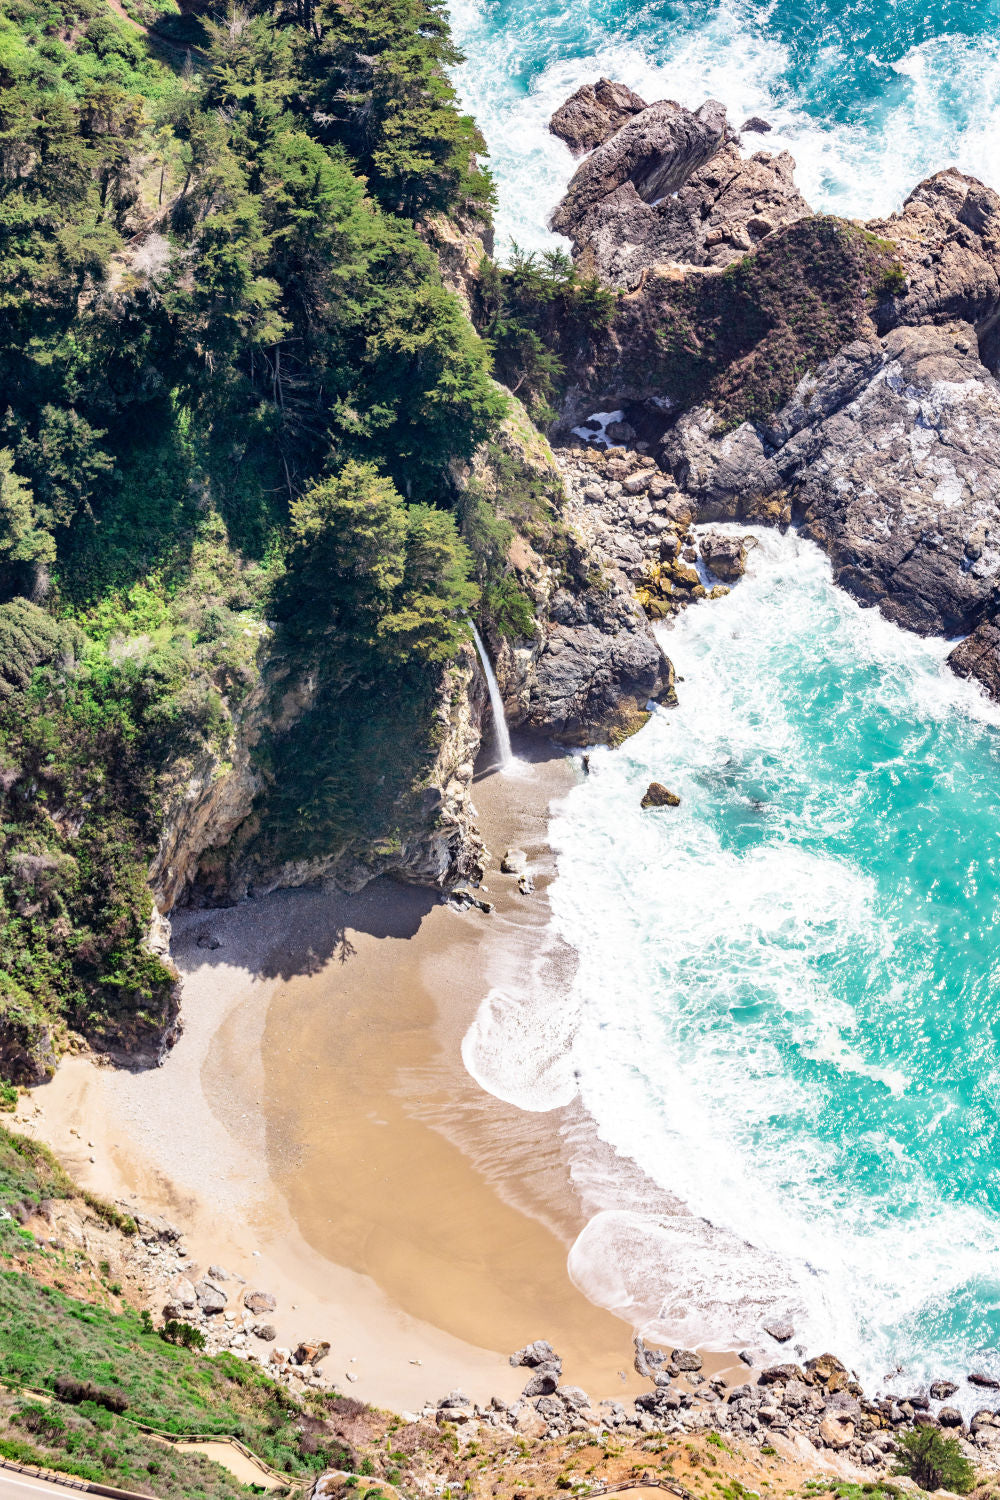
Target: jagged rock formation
column 947, row 236
column 592, row 664
column 593, row 114
column 890, row 455
column 843, row 377
column 670, row 186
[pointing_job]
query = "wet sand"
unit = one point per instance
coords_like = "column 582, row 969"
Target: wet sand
column 315, row 1130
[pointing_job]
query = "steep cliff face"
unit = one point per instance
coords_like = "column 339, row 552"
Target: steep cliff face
column 211, row 849
column 205, row 801
column 590, row 664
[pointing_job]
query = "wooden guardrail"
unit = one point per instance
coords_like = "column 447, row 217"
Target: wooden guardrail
column 603, row 1488
column 70, row 1481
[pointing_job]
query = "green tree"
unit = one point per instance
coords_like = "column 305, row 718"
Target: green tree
column 934, row 1462
column 379, row 76
column 429, row 395
column 539, row 315
column 22, row 538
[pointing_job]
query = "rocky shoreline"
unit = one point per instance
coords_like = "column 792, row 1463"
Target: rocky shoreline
column 819, row 1402
column 788, row 1408
column 778, row 365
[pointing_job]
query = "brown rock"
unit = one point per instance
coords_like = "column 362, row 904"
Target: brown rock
column 836, row 1430
column 259, row 1302
column 593, row 114
column 657, row 795
column 824, row 1368
column 726, row 557
column 978, row 657
column 684, row 1359
column 311, row 1351
column 780, row 1374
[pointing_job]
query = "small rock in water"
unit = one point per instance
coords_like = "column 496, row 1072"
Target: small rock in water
column 514, row 862
column 942, row 1389
column 987, row 1382
column 657, row 795
column 745, row 1356
column 780, row 1330
column 756, row 126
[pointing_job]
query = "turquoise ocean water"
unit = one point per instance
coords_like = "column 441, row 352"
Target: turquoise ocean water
column 785, row 1011
column 785, row 1020
column 868, row 95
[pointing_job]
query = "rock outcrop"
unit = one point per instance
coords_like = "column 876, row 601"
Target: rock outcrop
column 978, row 657
column 593, row 114
column 592, row 663
column 890, row 456
column 947, row 237
column 670, row 187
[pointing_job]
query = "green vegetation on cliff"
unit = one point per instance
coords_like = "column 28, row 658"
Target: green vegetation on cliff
column 219, row 321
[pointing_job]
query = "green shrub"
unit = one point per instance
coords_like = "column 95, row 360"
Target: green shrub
column 185, row 1334
column 934, row 1462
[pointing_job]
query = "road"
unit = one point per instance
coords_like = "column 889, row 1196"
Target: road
column 18, row 1486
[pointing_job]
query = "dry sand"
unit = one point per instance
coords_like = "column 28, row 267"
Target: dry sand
column 314, row 1129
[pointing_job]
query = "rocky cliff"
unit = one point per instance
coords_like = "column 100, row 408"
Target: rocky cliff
column 589, row 665
column 582, row 671
column 802, row 368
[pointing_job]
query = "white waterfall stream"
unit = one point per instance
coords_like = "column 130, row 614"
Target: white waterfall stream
column 504, row 755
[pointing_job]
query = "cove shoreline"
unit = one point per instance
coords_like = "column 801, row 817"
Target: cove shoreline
column 315, row 1131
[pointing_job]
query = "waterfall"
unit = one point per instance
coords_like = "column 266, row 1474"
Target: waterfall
column 496, row 704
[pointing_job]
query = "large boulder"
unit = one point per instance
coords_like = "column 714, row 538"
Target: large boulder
column 653, row 154
column 670, row 187
column 258, row 1301
column 593, row 114
column 211, row 1299
column 902, row 487
column 978, row 657
column 596, row 668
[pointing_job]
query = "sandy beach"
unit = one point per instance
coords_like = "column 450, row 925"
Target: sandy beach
column 314, row 1128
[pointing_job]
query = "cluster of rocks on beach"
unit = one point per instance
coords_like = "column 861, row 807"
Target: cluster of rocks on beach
column 816, row 1405
column 231, row 1314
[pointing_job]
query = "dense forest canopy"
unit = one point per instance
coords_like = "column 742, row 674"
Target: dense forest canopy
column 232, row 385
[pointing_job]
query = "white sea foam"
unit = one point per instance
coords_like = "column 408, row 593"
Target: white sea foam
column 941, row 106
column 705, row 1005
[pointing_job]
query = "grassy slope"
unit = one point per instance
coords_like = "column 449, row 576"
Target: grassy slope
column 48, row 1333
